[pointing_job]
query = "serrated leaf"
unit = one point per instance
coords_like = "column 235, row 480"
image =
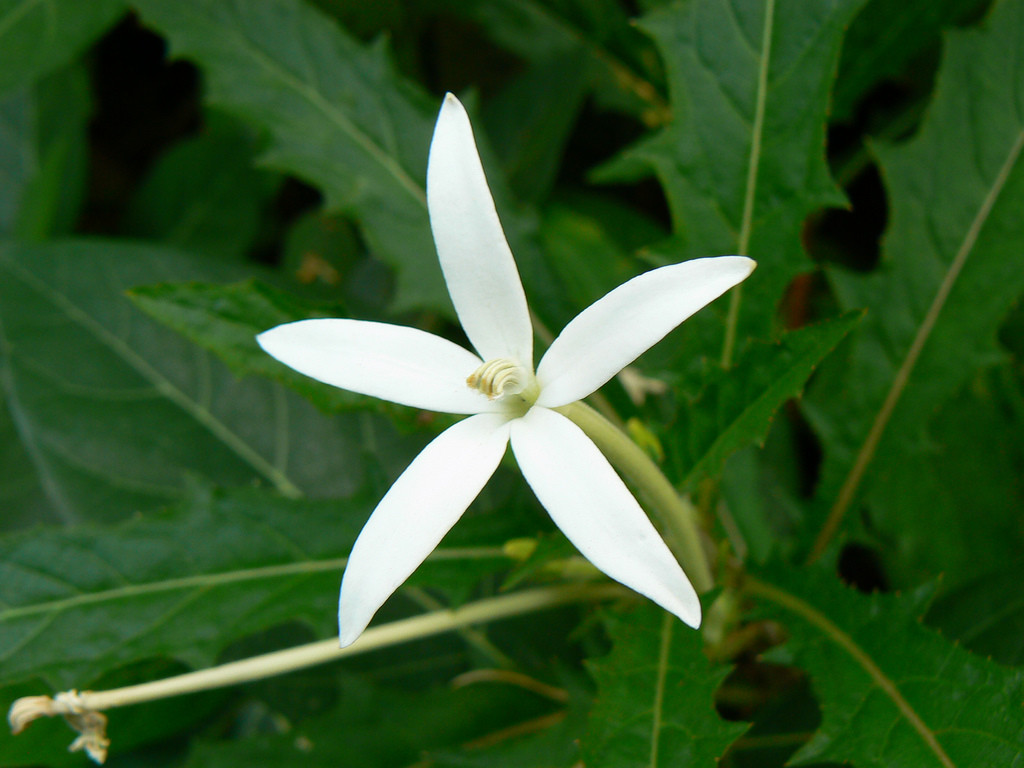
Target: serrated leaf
column 986, row 615
column 743, row 162
column 225, row 319
column 183, row 583
column 38, row 36
column 655, row 697
column 950, row 272
column 892, row 692
column 115, row 410
column 337, row 113
column 737, row 406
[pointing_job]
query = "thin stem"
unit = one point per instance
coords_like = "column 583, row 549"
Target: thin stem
column 312, row 654
column 677, row 516
column 659, row 688
column 472, row 636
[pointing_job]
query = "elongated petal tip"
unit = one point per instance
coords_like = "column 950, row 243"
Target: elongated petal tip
column 412, row 518
column 478, row 267
column 616, row 329
column 597, row 513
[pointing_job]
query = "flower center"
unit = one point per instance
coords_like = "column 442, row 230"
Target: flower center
column 508, row 381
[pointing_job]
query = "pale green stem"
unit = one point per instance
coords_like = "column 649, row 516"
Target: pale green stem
column 321, row 652
column 472, row 636
column 677, row 516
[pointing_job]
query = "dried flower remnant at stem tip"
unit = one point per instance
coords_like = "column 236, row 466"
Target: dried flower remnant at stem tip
column 90, row 724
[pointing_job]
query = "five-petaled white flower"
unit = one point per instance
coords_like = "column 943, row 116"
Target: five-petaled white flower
column 508, row 400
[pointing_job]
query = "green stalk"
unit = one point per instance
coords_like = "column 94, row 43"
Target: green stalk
column 678, row 518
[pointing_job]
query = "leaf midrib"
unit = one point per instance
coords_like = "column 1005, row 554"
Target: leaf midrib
column 209, row 580
column 750, row 188
column 333, row 115
column 868, row 448
column 157, row 380
column 832, row 631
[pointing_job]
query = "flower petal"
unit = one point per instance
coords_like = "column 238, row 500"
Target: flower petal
column 596, row 511
column 478, row 266
column 403, row 365
column 616, row 329
column 412, row 518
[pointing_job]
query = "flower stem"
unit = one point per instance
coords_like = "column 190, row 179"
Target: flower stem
column 677, row 516
column 78, row 704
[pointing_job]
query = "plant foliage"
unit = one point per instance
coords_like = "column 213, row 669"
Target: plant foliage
column 177, row 176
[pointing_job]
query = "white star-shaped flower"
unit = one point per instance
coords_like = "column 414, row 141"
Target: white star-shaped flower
column 508, row 401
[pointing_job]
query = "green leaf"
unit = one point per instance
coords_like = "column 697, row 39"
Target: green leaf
column 21, row 494
column 986, row 615
column 378, row 727
column 204, row 195
column 43, row 155
column 743, row 161
column 893, row 693
column 584, row 254
column 38, row 36
column 115, row 410
column 885, row 38
column 183, row 583
column 17, row 149
column 225, row 319
column 956, row 512
column 949, row 274
column 737, row 406
column 529, row 123
column 655, row 697
column 337, row 113
column 614, row 60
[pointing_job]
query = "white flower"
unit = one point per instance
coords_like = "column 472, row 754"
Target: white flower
column 507, row 400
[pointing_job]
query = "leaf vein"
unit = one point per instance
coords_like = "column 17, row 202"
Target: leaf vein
column 832, row 631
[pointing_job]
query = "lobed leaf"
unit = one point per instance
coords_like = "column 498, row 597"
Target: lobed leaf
column 655, row 697
column 337, row 113
column 892, row 692
column 951, row 270
column 986, row 614
column 737, row 406
column 743, row 161
column 613, row 60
